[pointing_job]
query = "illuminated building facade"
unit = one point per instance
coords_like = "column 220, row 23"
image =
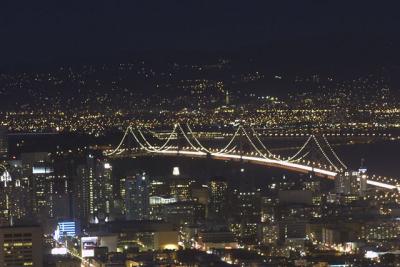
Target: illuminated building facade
column 95, row 189
column 137, row 197
column 21, row 246
column 218, row 196
column 3, row 142
column 247, row 214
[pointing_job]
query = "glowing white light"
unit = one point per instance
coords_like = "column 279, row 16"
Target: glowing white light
column 175, row 170
column 58, row 251
column 171, row 247
column 87, row 246
column 371, row 254
column 379, row 184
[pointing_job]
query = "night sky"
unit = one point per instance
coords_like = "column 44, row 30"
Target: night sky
column 39, row 32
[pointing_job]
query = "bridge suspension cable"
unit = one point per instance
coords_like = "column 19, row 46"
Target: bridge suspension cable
column 252, row 143
column 230, row 142
column 323, row 153
column 229, row 152
column 154, row 148
column 187, row 139
column 300, row 150
column 301, row 157
column 207, row 150
column 195, row 139
column 120, row 143
column 163, row 145
column 262, row 144
column 333, row 152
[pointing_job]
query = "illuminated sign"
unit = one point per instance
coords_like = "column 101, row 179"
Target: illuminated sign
column 42, row 170
column 155, row 200
column 67, row 228
column 59, row 251
column 88, row 244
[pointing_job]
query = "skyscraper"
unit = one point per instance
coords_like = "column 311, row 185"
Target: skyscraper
column 95, row 189
column 15, row 194
column 3, row 142
column 218, row 196
column 38, row 167
column 43, row 186
column 247, row 213
column 137, row 197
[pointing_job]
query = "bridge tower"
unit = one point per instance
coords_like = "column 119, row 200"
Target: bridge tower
column 314, row 157
column 179, row 140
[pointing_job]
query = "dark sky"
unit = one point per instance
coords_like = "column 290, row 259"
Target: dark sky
column 36, row 32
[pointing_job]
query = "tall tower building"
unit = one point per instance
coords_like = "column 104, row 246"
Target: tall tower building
column 247, row 214
column 218, row 190
column 95, row 189
column 65, row 180
column 137, row 197
column 43, row 189
column 38, row 167
column 227, row 101
column 3, row 142
column 16, row 203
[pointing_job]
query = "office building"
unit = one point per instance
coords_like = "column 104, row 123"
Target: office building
column 21, row 246
column 94, row 189
column 3, row 142
column 137, row 197
column 218, row 196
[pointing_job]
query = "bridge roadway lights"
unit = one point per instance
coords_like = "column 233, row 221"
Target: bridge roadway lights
column 268, row 162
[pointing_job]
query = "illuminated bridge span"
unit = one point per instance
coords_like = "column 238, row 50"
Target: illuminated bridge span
column 245, row 146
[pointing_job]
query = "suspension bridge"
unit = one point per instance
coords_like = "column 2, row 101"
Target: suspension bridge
column 245, row 145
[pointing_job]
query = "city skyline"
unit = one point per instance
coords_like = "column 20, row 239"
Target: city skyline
column 173, row 133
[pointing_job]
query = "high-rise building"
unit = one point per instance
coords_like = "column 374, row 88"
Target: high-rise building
column 218, row 196
column 3, row 142
column 38, row 169
column 95, row 189
column 21, row 246
column 43, row 189
column 64, row 186
column 180, row 188
column 157, row 206
column 343, row 183
column 184, row 212
column 104, row 189
column 351, row 183
column 137, row 197
column 247, row 214
column 15, row 194
column 158, row 188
